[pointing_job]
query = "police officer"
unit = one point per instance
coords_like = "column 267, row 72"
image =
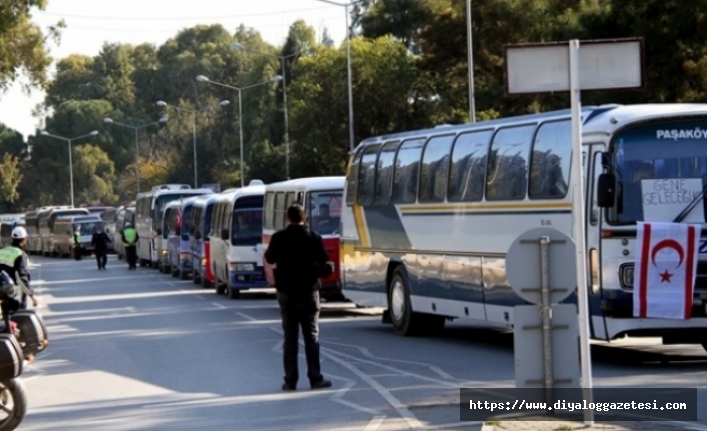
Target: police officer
column 130, row 238
column 13, row 261
column 301, row 260
column 77, row 242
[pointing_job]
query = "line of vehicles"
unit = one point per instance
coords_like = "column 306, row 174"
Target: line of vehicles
column 422, row 221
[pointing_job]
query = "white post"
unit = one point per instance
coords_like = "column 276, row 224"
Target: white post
column 350, row 85
column 240, row 132
column 470, row 63
column 71, row 174
column 287, row 127
column 578, row 222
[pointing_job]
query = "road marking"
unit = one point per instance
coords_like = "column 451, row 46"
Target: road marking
column 217, row 305
column 246, row 317
column 375, row 423
column 199, row 296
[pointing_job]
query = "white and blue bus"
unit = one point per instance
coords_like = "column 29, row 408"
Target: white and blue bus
column 200, row 242
column 149, row 209
column 236, row 240
column 429, row 215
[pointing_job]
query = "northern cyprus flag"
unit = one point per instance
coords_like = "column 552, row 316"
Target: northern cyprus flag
column 666, row 265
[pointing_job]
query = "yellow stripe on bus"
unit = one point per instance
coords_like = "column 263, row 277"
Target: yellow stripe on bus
column 484, row 206
column 361, row 226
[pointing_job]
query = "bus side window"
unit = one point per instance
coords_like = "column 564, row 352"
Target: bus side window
column 367, row 175
column 384, row 172
column 405, row 177
column 269, row 210
column 352, row 178
column 550, row 161
column 435, row 169
column 468, row 171
column 507, row 175
column 279, row 221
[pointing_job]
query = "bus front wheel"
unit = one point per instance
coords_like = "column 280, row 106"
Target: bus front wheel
column 405, row 321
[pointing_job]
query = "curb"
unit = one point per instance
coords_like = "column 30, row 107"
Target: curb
column 485, row 427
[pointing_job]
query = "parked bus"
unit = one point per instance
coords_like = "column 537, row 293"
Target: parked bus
column 200, row 241
column 32, row 227
column 46, row 227
column 169, row 232
column 97, row 209
column 236, row 235
column 66, row 226
column 431, row 214
column 180, row 253
column 109, row 217
column 42, row 218
column 322, row 199
column 149, row 209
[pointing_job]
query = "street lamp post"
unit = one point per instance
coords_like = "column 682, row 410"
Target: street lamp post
column 71, row 165
column 348, row 66
column 470, row 63
column 202, row 78
column 282, row 58
column 162, row 120
column 193, row 112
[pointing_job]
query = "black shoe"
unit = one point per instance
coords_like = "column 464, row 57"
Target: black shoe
column 321, row 384
column 286, row 387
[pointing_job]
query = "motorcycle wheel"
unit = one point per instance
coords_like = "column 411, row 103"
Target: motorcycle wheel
column 13, row 390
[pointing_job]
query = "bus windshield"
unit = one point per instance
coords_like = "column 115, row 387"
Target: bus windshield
column 660, row 169
column 247, row 226
column 187, row 219
column 86, row 228
column 325, row 211
column 162, row 201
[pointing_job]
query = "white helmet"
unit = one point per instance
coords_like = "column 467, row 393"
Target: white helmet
column 19, row 232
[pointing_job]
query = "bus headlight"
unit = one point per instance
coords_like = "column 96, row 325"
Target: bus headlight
column 241, row 266
column 164, row 252
column 626, row 275
column 203, row 261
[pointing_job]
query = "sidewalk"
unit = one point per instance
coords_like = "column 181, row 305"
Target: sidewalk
column 539, row 425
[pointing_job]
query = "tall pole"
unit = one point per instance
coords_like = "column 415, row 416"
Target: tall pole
column 240, row 132
column 194, row 131
column 348, row 66
column 71, row 173
column 137, row 161
column 470, row 62
column 578, row 219
column 287, row 133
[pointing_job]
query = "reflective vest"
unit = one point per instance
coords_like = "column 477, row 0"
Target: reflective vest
column 77, row 237
column 130, row 235
column 9, row 255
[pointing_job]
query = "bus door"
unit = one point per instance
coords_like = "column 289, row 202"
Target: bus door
column 593, row 168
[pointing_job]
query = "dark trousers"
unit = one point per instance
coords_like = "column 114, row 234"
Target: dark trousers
column 300, row 313
column 101, row 258
column 131, row 256
column 77, row 252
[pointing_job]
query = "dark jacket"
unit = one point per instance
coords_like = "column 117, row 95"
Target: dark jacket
column 301, row 260
column 100, row 242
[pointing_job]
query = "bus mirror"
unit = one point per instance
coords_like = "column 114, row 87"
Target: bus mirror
column 225, row 234
column 606, row 190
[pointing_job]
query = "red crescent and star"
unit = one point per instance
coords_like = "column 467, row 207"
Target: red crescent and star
column 667, row 243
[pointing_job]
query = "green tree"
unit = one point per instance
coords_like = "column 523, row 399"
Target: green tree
column 94, row 175
column 75, row 80
column 22, row 43
column 10, row 178
column 11, row 141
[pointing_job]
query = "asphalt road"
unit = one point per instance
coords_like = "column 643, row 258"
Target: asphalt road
column 141, row 350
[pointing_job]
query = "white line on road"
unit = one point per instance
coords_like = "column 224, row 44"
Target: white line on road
column 434, row 368
column 246, row 317
column 217, row 305
column 199, row 296
column 375, row 423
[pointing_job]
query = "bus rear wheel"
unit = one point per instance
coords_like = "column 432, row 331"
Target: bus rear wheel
column 405, row 321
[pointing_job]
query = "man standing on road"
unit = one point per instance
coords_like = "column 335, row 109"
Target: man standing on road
column 301, row 260
column 77, row 242
column 100, row 242
column 13, row 261
column 130, row 238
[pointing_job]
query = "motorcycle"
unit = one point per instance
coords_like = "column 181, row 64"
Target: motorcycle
column 23, row 334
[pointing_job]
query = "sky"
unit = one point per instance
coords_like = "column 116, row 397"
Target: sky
column 90, row 23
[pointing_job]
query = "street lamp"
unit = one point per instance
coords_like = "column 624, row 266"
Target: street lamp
column 193, row 112
column 470, row 63
column 348, row 66
column 202, row 78
column 239, row 47
column 162, row 120
column 71, row 166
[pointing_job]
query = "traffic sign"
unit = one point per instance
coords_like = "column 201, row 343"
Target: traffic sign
column 524, row 266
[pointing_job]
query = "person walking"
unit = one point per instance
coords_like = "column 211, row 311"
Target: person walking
column 130, row 237
column 300, row 259
column 14, row 262
column 77, row 242
column 100, row 242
